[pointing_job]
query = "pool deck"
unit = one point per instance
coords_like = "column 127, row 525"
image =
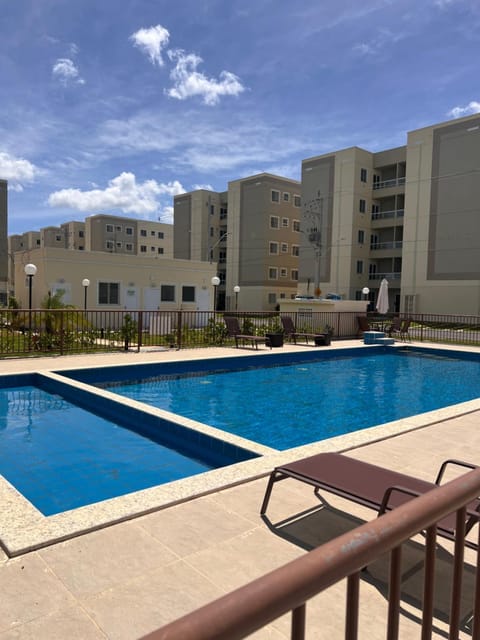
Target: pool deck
column 200, row 541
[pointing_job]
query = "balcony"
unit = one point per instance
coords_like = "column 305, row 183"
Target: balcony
column 386, row 184
column 388, row 215
column 391, row 275
column 379, row 246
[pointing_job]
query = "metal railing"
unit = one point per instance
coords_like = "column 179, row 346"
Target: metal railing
column 384, row 184
column 383, row 215
column 68, row 331
column 289, row 588
column 392, row 244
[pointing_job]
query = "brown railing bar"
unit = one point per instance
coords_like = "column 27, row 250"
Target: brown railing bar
column 298, row 622
column 394, row 593
column 459, row 554
column 476, row 600
column 429, row 582
column 241, row 612
column 351, row 606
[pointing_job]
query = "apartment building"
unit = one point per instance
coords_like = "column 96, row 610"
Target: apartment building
column 409, row 214
column 251, row 232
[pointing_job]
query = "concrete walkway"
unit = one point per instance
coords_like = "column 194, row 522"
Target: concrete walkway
column 128, row 579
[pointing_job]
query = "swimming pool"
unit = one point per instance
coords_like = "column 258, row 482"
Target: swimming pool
column 310, row 398
column 61, row 455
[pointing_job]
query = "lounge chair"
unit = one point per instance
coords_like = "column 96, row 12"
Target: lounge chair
column 234, row 331
column 292, row 334
column 400, row 328
column 362, row 325
column 369, row 485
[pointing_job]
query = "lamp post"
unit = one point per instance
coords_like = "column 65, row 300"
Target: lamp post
column 365, row 292
column 85, row 285
column 236, row 291
column 215, row 283
column 30, row 271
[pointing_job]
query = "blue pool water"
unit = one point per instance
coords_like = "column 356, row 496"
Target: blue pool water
column 287, row 406
column 60, row 456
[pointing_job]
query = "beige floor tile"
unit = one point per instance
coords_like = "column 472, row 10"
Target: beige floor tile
column 131, row 610
column 29, row 590
column 244, row 558
column 97, row 561
column 195, row 525
column 72, row 624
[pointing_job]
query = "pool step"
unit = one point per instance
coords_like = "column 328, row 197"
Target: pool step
column 376, row 337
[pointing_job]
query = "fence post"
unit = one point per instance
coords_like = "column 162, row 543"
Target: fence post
column 140, row 330
column 62, row 335
column 179, row 330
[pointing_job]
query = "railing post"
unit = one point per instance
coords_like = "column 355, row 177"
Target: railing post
column 179, row 330
column 62, row 315
column 140, row 330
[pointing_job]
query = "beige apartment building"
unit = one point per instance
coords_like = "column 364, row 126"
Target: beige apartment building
column 251, row 232
column 409, row 214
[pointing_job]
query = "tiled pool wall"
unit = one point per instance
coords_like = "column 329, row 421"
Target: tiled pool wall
column 215, row 452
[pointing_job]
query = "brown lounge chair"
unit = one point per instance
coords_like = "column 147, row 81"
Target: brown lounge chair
column 292, row 334
column 362, row 325
column 234, row 331
column 400, row 328
column 369, row 485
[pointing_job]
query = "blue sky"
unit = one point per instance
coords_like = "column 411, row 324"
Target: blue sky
column 115, row 107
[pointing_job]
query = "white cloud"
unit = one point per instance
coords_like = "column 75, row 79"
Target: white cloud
column 205, row 187
column 189, row 82
column 66, row 72
column 122, row 192
column 458, row 112
column 17, row 171
column 151, row 41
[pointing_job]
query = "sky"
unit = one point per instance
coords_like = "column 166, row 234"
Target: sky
column 115, row 107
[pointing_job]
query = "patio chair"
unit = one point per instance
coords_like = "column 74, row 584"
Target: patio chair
column 362, row 325
column 369, row 485
column 400, row 328
column 234, row 331
column 292, row 334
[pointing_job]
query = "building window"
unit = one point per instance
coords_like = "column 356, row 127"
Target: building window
column 152, row 249
column 109, row 228
column 272, row 298
column 362, row 205
column 359, row 266
column 363, row 175
column 188, row 294
column 212, row 232
column 284, row 247
column 283, row 272
column 128, row 246
column 272, row 273
column 143, row 248
column 80, row 234
column 118, row 228
column 285, row 223
column 294, row 274
column 273, row 248
column 109, row 245
column 361, row 236
column 223, row 213
column 129, row 231
column 153, row 234
column 143, row 233
column 160, row 235
column 58, row 238
column 274, row 222
column 108, row 293
column 295, row 250
column 222, row 257
column 38, row 243
column 296, row 225
column 286, row 196
column 160, row 250
column 297, row 201
column 275, row 195
column 81, row 248
column 167, row 293
column 212, row 209
column 119, row 245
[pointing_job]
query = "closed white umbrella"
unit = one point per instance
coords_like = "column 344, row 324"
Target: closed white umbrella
column 382, row 300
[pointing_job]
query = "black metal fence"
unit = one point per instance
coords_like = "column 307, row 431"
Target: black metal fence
column 63, row 331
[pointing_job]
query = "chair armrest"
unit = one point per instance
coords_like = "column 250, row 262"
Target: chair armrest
column 388, row 493
column 459, row 463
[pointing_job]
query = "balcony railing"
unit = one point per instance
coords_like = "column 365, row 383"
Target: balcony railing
column 378, row 246
column 391, row 275
column 289, row 588
column 384, row 215
column 385, row 184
